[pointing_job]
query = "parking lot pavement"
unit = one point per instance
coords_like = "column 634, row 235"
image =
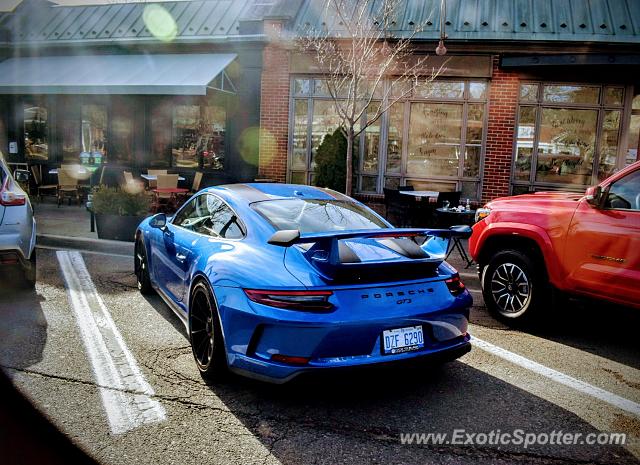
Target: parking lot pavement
column 578, row 372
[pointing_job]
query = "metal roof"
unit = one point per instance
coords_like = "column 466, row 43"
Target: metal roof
column 166, row 74
column 514, row 20
column 39, row 21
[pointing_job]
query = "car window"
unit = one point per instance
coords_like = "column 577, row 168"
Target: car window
column 208, row 214
column 624, row 194
column 309, row 216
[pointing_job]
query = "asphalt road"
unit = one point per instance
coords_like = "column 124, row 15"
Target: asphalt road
column 579, row 373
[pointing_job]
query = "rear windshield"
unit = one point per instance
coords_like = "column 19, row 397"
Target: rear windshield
column 312, row 216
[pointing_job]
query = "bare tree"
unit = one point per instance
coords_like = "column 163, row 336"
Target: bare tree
column 357, row 51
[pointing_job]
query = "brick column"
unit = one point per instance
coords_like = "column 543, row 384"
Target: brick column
column 503, row 105
column 274, row 110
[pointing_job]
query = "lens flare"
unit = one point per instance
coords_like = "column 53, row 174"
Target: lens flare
column 160, row 22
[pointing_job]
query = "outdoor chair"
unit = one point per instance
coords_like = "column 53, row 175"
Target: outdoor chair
column 154, row 184
column 67, row 186
column 131, row 184
column 452, row 197
column 197, row 180
column 42, row 189
column 398, row 207
column 165, row 201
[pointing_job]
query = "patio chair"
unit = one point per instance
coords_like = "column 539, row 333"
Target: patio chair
column 131, row 184
column 452, row 197
column 398, row 207
column 67, row 187
column 42, row 189
column 197, row 180
column 165, row 201
column 154, row 184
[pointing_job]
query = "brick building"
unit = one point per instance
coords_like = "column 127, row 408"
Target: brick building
column 534, row 96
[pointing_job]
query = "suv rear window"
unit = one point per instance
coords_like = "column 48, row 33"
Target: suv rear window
column 314, row 216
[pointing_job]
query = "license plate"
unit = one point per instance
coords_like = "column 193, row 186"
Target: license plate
column 397, row 341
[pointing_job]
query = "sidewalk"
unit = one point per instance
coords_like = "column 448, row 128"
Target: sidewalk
column 69, row 227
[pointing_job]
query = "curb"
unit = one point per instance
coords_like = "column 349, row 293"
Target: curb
column 86, row 244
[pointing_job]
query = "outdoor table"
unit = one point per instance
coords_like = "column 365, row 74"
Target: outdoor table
column 153, row 177
column 430, row 196
column 457, row 217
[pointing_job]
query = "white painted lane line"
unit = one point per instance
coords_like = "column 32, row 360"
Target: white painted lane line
column 128, row 401
column 581, row 386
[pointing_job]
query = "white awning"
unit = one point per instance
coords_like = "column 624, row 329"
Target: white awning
column 149, row 74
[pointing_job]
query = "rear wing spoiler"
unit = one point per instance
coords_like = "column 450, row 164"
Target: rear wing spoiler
column 329, row 254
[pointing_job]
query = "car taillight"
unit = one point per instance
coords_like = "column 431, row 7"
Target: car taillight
column 308, row 301
column 290, row 359
column 10, row 198
column 9, row 258
column 455, row 285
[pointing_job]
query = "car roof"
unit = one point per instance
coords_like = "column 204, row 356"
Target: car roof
column 258, row 192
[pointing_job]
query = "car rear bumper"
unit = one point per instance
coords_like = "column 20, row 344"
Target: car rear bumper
column 348, row 338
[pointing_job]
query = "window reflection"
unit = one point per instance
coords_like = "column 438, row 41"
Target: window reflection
column 94, row 133
column 36, row 132
column 122, row 128
column 199, row 136
column 325, row 121
column 299, row 156
column 394, row 138
column 524, row 142
column 566, row 146
column 609, row 144
column 371, row 142
column 571, row 94
column 434, row 139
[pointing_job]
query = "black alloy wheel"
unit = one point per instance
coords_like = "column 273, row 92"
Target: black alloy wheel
column 205, row 334
column 141, row 268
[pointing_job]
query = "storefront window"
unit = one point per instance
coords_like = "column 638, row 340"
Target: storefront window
column 160, row 127
column 394, row 138
column 122, row 129
column 71, row 129
column 36, row 132
column 433, row 138
column 199, row 136
column 94, row 133
column 633, row 136
column 325, row 121
column 569, row 135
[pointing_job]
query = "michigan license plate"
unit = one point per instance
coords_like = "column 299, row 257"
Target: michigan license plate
column 397, row 341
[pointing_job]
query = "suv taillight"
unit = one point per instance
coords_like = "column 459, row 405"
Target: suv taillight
column 9, row 198
column 455, row 285
column 306, row 301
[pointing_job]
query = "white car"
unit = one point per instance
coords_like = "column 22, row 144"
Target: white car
column 17, row 227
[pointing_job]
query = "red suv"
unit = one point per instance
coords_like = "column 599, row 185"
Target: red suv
column 528, row 247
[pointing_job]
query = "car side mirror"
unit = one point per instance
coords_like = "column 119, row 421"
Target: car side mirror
column 158, row 221
column 593, row 196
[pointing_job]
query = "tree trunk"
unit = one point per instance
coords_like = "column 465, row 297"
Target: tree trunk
column 349, row 181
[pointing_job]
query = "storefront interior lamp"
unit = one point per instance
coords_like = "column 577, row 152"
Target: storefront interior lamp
column 441, row 49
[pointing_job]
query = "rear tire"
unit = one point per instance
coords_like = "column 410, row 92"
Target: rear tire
column 30, row 272
column 141, row 268
column 515, row 287
column 205, row 334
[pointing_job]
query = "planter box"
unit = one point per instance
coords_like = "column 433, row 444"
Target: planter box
column 116, row 227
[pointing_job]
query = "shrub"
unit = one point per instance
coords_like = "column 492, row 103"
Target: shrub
column 331, row 161
column 113, row 201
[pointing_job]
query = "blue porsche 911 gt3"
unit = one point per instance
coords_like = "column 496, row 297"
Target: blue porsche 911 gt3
column 273, row 280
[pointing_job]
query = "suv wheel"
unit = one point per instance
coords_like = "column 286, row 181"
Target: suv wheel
column 205, row 334
column 513, row 287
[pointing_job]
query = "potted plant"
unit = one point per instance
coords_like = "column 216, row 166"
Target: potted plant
column 118, row 213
